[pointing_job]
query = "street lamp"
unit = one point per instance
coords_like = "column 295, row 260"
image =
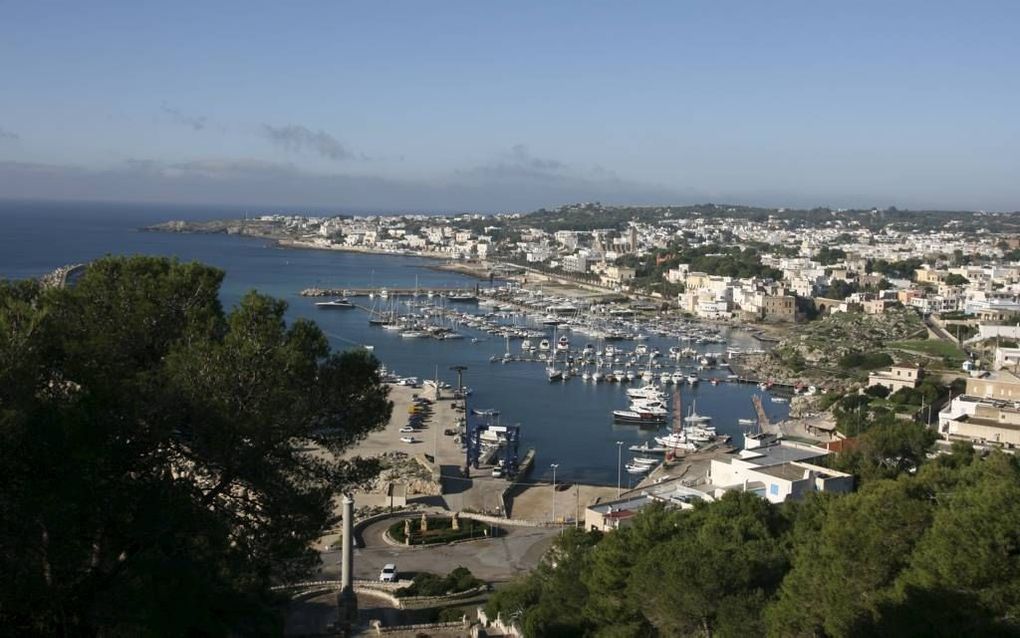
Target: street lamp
column 619, row 466
column 554, row 466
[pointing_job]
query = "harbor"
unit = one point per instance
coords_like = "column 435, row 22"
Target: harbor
column 558, row 370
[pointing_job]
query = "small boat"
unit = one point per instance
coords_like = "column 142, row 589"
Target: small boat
column 488, row 412
column 779, row 400
column 637, row 469
column 647, row 448
column 747, row 421
column 644, row 460
column 339, row 302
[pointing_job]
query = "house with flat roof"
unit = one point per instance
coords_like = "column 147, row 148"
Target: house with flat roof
column 1000, row 384
column 776, row 473
column 982, row 420
column 896, row 377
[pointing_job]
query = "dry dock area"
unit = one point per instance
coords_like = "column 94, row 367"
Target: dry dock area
column 439, row 457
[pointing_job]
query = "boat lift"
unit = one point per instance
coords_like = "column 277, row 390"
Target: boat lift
column 506, row 437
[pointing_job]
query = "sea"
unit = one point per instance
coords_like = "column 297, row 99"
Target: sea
column 568, row 423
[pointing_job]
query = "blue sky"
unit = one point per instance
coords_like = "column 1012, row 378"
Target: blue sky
column 478, row 105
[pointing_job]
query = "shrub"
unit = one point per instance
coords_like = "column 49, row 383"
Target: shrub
column 427, row 584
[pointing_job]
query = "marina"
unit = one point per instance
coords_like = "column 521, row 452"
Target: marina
column 568, row 422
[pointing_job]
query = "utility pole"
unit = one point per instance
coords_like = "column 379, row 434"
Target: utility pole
column 554, row 466
column 619, row 466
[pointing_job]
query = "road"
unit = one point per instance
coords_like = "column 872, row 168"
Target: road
column 492, row 560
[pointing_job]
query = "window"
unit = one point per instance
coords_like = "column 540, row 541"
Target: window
column 774, row 489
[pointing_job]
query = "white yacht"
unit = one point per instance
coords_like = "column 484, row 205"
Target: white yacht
column 339, row 302
column 676, row 441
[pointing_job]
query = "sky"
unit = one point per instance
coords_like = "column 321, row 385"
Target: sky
column 512, row 106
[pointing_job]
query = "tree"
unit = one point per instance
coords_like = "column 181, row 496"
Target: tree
column 844, row 572
column 953, row 279
column 714, row 575
column 154, row 451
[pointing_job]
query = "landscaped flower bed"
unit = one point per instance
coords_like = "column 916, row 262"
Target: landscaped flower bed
column 440, row 530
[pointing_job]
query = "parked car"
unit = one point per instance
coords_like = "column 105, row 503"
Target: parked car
column 388, row 573
column 407, row 439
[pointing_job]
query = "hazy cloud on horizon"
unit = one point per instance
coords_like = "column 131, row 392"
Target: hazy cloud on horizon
column 296, row 139
column 194, row 122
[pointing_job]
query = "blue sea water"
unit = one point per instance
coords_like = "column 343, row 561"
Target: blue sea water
column 568, row 423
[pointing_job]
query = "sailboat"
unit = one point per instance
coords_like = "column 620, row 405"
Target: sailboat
column 551, row 371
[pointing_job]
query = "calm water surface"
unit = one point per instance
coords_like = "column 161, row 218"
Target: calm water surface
column 568, row 423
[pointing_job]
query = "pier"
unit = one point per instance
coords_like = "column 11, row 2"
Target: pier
column 391, row 292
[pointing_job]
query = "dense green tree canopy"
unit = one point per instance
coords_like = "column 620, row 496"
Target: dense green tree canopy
column 161, row 461
column 929, row 550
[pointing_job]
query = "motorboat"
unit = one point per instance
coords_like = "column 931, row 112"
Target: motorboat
column 597, row 376
column 527, row 346
column 676, row 441
column 339, row 302
column 642, row 413
column 554, row 374
column 645, row 392
column 462, row 297
column 563, row 344
column 644, row 460
column 637, row 469
column 747, row 421
column 645, row 448
column 692, row 378
column 779, row 400
column 543, row 345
